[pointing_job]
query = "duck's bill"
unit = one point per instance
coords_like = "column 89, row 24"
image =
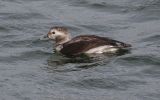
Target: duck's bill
column 44, row 37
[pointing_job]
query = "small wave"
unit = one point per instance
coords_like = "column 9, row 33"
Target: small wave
column 24, row 43
column 3, row 29
column 154, row 38
column 97, row 28
column 20, row 16
column 116, row 6
column 28, row 55
column 108, row 83
column 138, row 60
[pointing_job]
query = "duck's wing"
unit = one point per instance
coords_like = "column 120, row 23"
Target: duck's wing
column 83, row 43
column 114, row 43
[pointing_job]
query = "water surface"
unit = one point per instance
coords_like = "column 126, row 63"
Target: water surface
column 30, row 70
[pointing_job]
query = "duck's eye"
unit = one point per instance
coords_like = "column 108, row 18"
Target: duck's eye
column 53, row 32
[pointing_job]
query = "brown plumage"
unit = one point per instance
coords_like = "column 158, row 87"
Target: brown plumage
column 83, row 43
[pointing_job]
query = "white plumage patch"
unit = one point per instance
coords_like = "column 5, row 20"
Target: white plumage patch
column 59, row 47
column 102, row 49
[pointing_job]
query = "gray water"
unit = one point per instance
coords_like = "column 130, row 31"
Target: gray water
column 30, row 70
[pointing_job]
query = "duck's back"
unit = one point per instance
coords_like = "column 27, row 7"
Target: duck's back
column 83, row 43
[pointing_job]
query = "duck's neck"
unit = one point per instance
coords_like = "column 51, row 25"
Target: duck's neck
column 62, row 40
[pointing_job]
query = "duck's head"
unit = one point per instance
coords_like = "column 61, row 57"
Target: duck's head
column 59, row 34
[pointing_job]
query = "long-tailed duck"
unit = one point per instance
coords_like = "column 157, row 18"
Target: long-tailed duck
column 83, row 44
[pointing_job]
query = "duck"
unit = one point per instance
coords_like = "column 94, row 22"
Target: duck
column 83, row 44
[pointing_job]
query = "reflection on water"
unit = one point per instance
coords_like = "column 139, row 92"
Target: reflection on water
column 56, row 61
column 29, row 69
column 61, row 63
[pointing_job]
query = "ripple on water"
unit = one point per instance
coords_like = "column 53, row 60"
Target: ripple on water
column 23, row 43
column 142, row 65
column 103, row 28
column 138, row 60
column 107, row 83
column 149, row 96
column 153, row 38
column 153, row 72
column 25, row 56
column 116, row 6
column 149, row 12
column 3, row 29
column 98, row 28
column 20, row 16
